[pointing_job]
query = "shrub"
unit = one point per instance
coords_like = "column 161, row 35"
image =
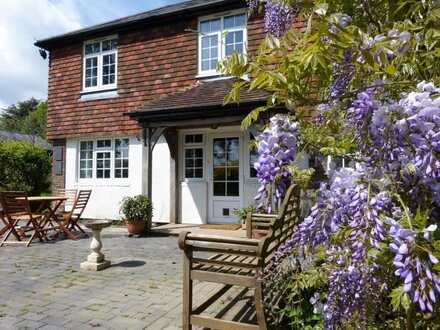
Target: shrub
column 24, row 166
column 136, row 208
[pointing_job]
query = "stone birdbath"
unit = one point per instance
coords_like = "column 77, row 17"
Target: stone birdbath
column 96, row 259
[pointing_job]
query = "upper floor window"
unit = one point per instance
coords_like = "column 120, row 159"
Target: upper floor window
column 220, row 37
column 100, row 64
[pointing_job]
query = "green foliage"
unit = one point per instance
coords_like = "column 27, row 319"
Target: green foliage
column 24, row 166
column 28, row 117
column 136, row 208
column 298, row 68
column 241, row 213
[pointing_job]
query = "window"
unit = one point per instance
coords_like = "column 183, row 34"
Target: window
column 219, row 38
column 226, row 166
column 337, row 162
column 100, row 64
column 253, row 158
column 104, row 159
column 193, row 156
column 121, row 158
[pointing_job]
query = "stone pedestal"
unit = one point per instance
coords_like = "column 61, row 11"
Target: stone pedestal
column 96, row 260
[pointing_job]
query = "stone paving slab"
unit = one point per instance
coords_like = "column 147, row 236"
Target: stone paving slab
column 43, row 287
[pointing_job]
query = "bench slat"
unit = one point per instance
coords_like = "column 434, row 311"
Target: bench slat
column 231, row 279
column 234, row 264
column 221, row 246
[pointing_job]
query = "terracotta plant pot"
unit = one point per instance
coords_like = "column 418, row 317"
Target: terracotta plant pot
column 135, row 227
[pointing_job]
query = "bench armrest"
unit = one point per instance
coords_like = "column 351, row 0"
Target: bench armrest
column 258, row 221
column 219, row 244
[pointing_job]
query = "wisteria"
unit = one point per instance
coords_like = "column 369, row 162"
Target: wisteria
column 367, row 255
column 277, row 147
column 416, row 272
column 277, row 16
column 403, row 138
column 360, row 205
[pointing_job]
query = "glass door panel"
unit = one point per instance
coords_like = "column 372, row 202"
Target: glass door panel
column 226, row 164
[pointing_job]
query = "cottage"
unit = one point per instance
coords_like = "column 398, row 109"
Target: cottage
column 135, row 105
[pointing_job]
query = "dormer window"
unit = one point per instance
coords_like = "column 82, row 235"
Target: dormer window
column 219, row 37
column 100, row 64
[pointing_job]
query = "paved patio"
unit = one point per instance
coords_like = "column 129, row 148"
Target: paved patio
column 43, row 287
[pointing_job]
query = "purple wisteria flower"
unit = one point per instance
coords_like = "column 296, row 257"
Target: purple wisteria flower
column 277, row 147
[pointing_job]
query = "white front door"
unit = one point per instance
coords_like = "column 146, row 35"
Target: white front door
column 225, row 182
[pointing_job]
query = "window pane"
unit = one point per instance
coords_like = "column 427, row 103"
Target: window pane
column 121, row 158
column 92, row 48
column 198, row 153
column 232, row 174
column 104, row 143
column 205, row 26
column 229, row 39
column 205, row 65
column 219, row 174
column 229, row 22
column 232, row 188
column 193, row 164
column 216, row 25
column 210, row 52
column 109, row 45
column 210, row 26
column 235, row 21
column 219, row 189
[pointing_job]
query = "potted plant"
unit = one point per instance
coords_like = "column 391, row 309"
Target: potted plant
column 137, row 212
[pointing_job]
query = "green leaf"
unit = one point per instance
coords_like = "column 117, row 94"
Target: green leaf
column 399, row 298
column 390, row 69
column 368, row 58
column 321, row 8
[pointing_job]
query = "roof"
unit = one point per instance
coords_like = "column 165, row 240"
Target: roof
column 202, row 100
column 14, row 136
column 202, row 94
column 160, row 15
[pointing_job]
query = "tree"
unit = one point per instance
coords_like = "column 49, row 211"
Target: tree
column 26, row 117
column 355, row 80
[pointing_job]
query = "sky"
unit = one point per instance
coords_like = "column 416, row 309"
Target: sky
column 23, row 72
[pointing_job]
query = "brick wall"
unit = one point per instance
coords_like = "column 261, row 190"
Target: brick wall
column 151, row 62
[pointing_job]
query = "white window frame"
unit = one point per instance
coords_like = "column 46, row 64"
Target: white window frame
column 194, row 145
column 96, row 151
column 99, row 56
column 247, row 154
column 221, row 35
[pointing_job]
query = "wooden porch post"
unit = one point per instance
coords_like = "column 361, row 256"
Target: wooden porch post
column 171, row 137
column 150, row 136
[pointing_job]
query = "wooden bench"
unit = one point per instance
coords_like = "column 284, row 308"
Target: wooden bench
column 233, row 262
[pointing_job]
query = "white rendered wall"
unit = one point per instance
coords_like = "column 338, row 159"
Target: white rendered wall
column 107, row 193
column 194, row 202
column 161, row 181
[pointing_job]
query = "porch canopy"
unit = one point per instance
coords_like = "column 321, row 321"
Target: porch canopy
column 199, row 105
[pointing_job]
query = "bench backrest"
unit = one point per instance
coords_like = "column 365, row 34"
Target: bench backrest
column 281, row 228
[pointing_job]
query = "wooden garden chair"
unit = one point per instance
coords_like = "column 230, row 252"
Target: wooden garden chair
column 4, row 220
column 71, row 218
column 16, row 209
column 71, row 197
